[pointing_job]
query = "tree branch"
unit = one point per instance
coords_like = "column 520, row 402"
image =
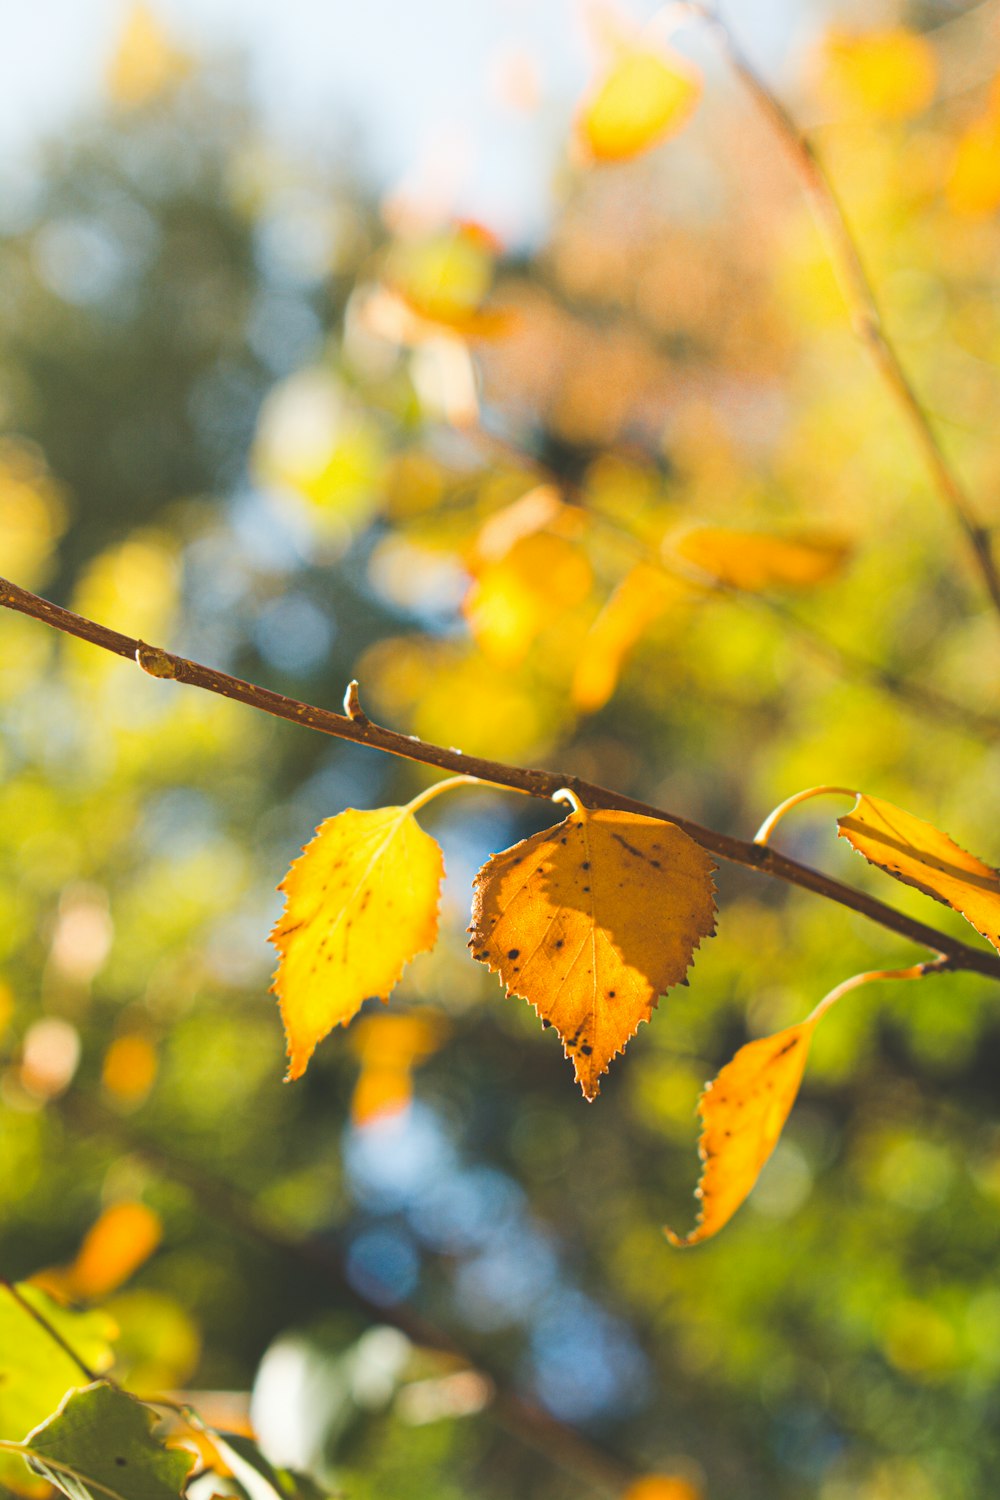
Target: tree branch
column 859, row 294
column 533, row 782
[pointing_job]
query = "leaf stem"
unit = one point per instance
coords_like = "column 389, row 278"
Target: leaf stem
column 428, row 795
column 859, row 294
column 534, row 781
column 915, row 971
column 770, row 823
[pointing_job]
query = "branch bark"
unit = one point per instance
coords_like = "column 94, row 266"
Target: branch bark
column 533, row 782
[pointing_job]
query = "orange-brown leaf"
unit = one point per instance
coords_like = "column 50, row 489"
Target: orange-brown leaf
column 756, row 560
column 590, row 922
column 644, row 97
column 113, row 1249
column 361, row 902
column 921, row 855
column 743, row 1113
column 641, row 597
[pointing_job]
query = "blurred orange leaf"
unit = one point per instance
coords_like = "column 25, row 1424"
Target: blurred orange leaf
column 360, row 903
column 113, row 1249
column 921, row 855
column 512, row 597
column 640, row 598
column 129, row 1070
column 755, row 560
column 743, row 1113
column 390, row 1047
column 590, row 922
column 662, row 1487
column 644, row 97
column 974, row 185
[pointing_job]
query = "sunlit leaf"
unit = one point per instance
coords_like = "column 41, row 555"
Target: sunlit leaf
column 644, row 97
column 105, row 1438
column 35, row 1373
column 743, row 1113
column 889, row 72
column 590, row 922
column 756, row 560
column 921, row 855
column 359, row 904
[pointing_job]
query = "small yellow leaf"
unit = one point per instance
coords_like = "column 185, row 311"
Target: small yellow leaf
column 642, row 99
column 754, row 560
column 921, row 855
column 640, row 598
column 743, row 1113
column 590, row 922
column 974, row 185
column 889, row 73
column 390, row 1047
column 146, row 63
column 361, row 902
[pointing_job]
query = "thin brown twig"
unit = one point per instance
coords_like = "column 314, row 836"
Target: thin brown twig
column 859, row 294
column 533, row 782
column 43, row 1322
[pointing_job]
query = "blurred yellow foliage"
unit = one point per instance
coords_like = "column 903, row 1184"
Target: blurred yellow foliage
column 974, row 184
column 132, row 587
column 512, row 598
column 889, row 73
column 645, row 96
column 389, row 1048
column 756, row 561
column 315, row 442
column 129, row 1070
column 32, row 512
column 662, row 1487
column 113, row 1249
column 146, row 62
column 446, row 277
column 639, row 599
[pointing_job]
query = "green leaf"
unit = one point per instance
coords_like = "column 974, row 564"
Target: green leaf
column 241, row 1453
column 35, row 1373
column 99, row 1446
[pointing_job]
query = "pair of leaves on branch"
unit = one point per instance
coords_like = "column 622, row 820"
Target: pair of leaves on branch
column 589, row 921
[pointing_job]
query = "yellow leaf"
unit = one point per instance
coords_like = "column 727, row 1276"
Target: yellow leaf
column 890, row 73
column 639, row 599
column 129, row 1069
column 974, row 185
column 590, row 922
column 644, row 97
column 113, row 1249
column 146, row 62
column 743, row 1113
column 754, row 560
column 361, row 902
column 919, row 854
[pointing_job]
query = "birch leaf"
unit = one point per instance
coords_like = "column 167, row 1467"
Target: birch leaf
column 99, row 1445
column 360, row 903
column 921, row 855
column 590, row 922
column 743, row 1113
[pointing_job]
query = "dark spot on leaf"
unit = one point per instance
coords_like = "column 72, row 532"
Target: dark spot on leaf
column 585, row 1049
column 585, row 887
column 585, row 865
column 514, row 953
column 121, row 1462
column 612, row 994
column 559, row 942
column 655, row 863
column 787, row 1047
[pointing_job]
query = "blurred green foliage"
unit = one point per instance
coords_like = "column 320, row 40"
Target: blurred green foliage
column 241, row 424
